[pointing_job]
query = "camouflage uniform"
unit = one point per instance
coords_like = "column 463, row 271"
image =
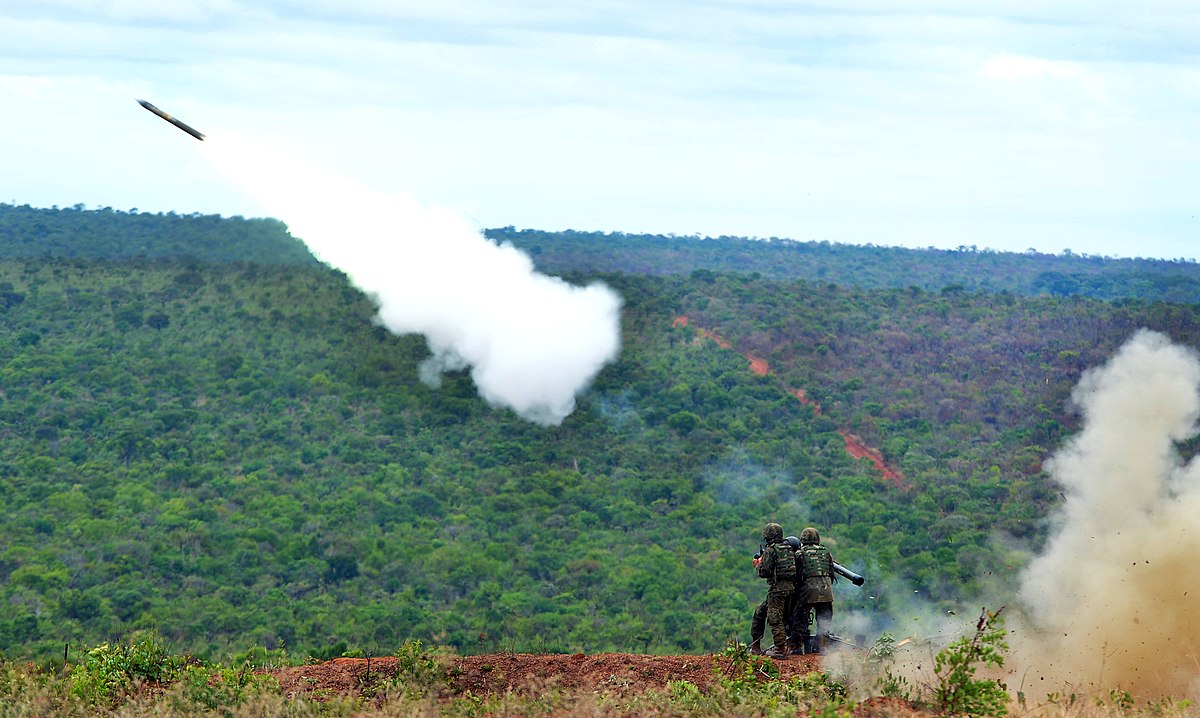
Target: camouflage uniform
column 774, row 610
column 814, row 593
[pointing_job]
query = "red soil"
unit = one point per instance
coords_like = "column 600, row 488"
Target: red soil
column 803, row 397
column 528, row 673
column 859, row 450
column 855, row 446
column 621, row 674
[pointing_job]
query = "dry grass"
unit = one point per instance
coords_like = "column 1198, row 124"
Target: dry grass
column 27, row 691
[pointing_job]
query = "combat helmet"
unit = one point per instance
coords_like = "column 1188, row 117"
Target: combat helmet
column 809, row 536
column 773, row 533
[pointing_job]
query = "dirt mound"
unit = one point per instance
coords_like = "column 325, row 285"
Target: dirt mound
column 522, row 673
column 341, row 676
column 621, row 674
column 603, row 672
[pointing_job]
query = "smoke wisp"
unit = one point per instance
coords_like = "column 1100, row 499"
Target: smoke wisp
column 532, row 342
column 1112, row 601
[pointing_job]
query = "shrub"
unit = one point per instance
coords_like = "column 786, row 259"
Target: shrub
column 418, row 673
column 112, row 671
column 220, row 688
column 958, row 691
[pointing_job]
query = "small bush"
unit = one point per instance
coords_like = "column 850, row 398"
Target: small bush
column 110, row 672
column 880, row 661
column 750, row 681
column 220, row 688
column 958, row 692
column 418, row 672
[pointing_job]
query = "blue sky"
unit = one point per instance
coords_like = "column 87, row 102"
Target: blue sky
column 1010, row 126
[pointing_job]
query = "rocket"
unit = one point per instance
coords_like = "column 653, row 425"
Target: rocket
column 190, row 130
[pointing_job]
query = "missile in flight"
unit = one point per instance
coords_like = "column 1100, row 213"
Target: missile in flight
column 178, row 123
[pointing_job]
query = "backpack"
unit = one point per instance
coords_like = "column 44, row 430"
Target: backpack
column 815, row 560
column 785, row 562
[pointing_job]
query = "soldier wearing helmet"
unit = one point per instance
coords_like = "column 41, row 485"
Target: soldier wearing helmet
column 814, row 591
column 776, row 564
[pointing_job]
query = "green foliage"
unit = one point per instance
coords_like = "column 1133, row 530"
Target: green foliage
column 220, row 688
column 75, row 232
column 948, row 272
column 958, row 691
column 225, row 447
column 419, row 673
column 1120, row 700
column 1168, row 706
column 110, row 672
column 740, row 673
column 881, row 660
column 114, row 674
column 823, row 692
column 743, row 679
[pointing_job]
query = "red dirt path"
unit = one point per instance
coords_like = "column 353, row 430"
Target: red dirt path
column 855, row 446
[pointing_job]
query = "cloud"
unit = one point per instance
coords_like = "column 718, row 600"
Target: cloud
column 145, row 13
column 1016, row 67
column 926, row 124
column 1019, row 69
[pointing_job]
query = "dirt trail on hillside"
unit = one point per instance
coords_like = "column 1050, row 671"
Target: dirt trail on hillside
column 855, row 445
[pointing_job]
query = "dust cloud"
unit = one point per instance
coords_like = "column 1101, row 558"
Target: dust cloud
column 532, row 342
column 1112, row 601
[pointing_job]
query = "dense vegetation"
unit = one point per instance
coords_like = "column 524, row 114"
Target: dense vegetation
column 232, row 453
column 28, row 232
column 967, row 267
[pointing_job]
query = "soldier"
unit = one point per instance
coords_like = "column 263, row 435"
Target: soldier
column 777, row 565
column 814, row 590
column 795, row 641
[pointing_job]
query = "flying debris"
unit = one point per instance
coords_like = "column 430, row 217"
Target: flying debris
column 190, row 130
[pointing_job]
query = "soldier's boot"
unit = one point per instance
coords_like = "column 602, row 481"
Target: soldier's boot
column 779, row 653
column 812, row 644
column 796, row 645
column 755, row 648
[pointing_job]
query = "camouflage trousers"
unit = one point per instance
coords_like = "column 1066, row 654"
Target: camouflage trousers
column 811, row 620
column 773, row 612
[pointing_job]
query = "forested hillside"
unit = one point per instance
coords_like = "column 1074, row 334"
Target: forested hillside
column 30, row 232
column 227, row 449
column 966, row 268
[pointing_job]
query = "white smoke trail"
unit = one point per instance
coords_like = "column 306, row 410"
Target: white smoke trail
column 533, row 342
column 1115, row 596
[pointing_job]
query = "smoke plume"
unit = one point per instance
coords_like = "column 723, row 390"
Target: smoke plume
column 532, row 342
column 1113, row 599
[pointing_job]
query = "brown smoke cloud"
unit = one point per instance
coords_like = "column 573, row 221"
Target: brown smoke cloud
column 1114, row 599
